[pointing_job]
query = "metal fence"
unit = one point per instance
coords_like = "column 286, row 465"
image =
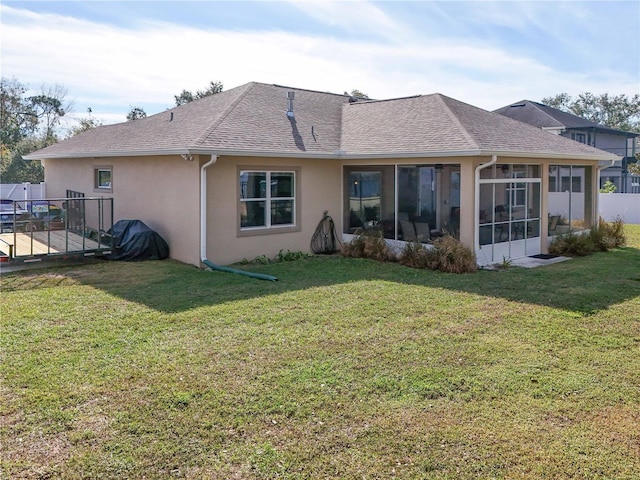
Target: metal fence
column 38, row 227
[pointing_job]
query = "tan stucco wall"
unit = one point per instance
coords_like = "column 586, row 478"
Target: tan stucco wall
column 161, row 191
column 318, row 189
column 164, row 193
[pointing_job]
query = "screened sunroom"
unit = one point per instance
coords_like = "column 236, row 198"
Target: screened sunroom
column 405, row 202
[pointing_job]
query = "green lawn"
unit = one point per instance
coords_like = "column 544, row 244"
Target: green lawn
column 345, row 368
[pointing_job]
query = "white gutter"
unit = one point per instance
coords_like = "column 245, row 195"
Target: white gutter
column 613, row 162
column 476, row 205
column 337, row 155
column 203, row 207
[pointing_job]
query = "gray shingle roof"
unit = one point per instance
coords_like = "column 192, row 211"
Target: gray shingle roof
column 543, row 116
column 252, row 120
column 439, row 124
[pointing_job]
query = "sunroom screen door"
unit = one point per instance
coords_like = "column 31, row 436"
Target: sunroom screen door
column 509, row 219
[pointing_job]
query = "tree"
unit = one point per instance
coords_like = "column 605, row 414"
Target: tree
column 608, row 187
column 16, row 118
column 85, row 123
column 357, row 94
column 616, row 111
column 49, row 107
column 187, row 96
column 634, row 168
column 15, row 169
column 136, row 113
column 27, row 123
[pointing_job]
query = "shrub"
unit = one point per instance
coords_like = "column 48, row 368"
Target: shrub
column 608, row 187
column 610, row 234
column 447, row 255
column 282, row 256
column 572, row 244
column 601, row 237
column 290, row 256
column 598, row 236
column 368, row 244
column 414, row 255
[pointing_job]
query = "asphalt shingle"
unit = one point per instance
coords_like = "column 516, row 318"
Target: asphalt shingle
column 252, row 119
column 543, row 116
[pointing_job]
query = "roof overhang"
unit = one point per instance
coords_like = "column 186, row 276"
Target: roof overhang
column 337, row 155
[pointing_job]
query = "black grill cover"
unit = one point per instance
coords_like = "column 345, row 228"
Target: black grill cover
column 133, row 240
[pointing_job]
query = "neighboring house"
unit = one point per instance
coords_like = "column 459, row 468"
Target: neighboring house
column 250, row 171
column 582, row 130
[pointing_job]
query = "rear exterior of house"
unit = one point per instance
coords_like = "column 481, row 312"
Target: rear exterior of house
column 272, row 159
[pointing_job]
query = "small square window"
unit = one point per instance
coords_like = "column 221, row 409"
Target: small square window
column 103, row 178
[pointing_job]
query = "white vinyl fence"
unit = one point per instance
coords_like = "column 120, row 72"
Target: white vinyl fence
column 22, row 191
column 623, row 205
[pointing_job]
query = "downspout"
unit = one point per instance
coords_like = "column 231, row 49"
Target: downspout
column 476, row 206
column 203, row 229
column 203, row 207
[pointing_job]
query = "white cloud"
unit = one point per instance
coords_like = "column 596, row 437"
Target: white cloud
column 354, row 17
column 111, row 68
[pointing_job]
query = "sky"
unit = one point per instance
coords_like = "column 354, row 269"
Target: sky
column 114, row 55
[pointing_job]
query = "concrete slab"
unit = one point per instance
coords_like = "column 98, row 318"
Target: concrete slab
column 531, row 262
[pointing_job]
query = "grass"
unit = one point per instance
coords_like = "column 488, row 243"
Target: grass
column 345, row 368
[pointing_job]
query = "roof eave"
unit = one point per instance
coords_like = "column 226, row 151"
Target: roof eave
column 115, row 153
column 605, row 129
column 337, row 155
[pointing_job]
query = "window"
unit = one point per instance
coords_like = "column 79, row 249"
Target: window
column 631, row 143
column 517, row 194
column 103, row 178
column 582, row 138
column 402, row 202
column 267, row 199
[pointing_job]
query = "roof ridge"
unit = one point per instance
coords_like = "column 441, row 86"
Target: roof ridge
column 455, row 118
column 366, row 101
column 303, row 89
column 248, row 87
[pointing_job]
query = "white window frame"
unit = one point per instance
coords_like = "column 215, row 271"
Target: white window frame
column 267, row 199
column 517, row 189
column 103, row 187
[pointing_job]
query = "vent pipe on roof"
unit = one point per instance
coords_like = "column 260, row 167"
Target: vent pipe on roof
column 171, row 117
column 290, row 97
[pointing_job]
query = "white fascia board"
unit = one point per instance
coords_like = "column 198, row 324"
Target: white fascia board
column 342, row 155
column 554, row 130
column 339, row 155
column 560, row 156
column 259, row 153
column 115, row 153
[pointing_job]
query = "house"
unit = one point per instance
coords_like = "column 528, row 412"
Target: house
column 250, row 171
column 576, row 128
